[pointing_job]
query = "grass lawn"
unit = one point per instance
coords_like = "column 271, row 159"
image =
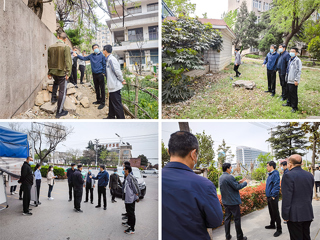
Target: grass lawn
column 220, row 100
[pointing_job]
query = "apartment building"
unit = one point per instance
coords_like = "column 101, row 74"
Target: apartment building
column 247, row 155
column 103, row 36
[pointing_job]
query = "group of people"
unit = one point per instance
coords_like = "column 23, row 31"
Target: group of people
column 76, row 184
column 190, row 204
column 63, row 67
column 289, row 67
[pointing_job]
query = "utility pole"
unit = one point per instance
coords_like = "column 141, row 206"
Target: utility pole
column 97, row 142
column 119, row 148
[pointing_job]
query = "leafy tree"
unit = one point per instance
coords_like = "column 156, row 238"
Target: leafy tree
column 260, row 173
column 263, row 159
column 205, row 15
column 230, row 18
column 144, row 160
column 178, row 7
column 75, row 36
column 206, row 152
column 43, row 152
column 311, row 30
column 224, row 152
column 213, row 175
column 314, row 48
column 90, row 145
column 287, row 140
column 165, row 155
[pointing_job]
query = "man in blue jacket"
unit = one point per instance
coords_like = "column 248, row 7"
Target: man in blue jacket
column 189, row 202
column 229, row 188
column 297, row 193
column 272, row 193
column 103, row 179
column 271, row 61
column 282, row 69
column 284, row 167
column 98, row 67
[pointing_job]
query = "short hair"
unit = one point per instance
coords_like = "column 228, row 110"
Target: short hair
column 283, row 45
column 102, row 166
column 317, row 168
column 128, row 168
column 181, row 143
column 74, row 47
column 115, row 170
column 284, row 163
column 237, row 49
column 296, row 49
column 73, row 164
column 37, row 166
column 274, row 46
column 28, row 157
column 127, row 163
column 225, row 166
column 79, row 166
column 94, row 45
column 272, row 164
column 295, row 161
column 62, row 35
column 108, row 48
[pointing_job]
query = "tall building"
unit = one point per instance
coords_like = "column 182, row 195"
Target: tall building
column 103, row 36
column 137, row 33
column 247, row 155
column 124, row 149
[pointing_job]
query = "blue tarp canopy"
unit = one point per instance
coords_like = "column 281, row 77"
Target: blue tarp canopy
column 13, row 144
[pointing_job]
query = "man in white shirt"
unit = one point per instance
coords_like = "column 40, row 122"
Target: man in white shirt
column 317, row 178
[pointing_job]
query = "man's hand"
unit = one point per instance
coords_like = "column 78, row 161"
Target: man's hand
column 75, row 54
column 273, row 198
column 296, row 83
column 109, row 187
column 90, row 176
column 67, row 77
column 49, row 76
column 105, row 187
column 236, row 64
column 286, row 220
column 124, row 82
column 84, row 185
column 263, row 65
column 93, row 186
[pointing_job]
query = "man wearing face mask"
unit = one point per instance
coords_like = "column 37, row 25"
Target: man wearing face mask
column 98, row 67
column 189, row 202
column 282, row 69
column 284, row 167
column 77, row 181
column 60, row 66
column 103, row 179
column 293, row 79
column 26, row 180
column 229, row 188
column 237, row 62
column 271, row 61
column 89, row 185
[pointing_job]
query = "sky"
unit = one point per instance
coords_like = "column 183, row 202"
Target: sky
column 214, row 8
column 142, row 136
column 234, row 133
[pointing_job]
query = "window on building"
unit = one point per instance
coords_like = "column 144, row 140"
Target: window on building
column 266, row 6
column 153, row 33
column 135, row 35
column 259, row 6
column 126, row 152
column 154, row 56
column 134, row 10
column 152, row 7
column 255, row 3
column 137, row 56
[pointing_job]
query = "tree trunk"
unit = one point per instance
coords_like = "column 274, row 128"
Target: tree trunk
column 314, row 149
column 137, row 97
column 184, row 126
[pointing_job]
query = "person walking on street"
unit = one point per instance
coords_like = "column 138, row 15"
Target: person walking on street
column 272, row 193
column 26, row 180
column 229, row 188
column 98, row 67
column 317, row 179
column 103, row 179
column 70, row 172
column 237, row 62
column 38, row 177
column 77, row 181
column 115, row 83
column 13, row 189
column 60, row 66
column 190, row 204
column 113, row 184
column 50, row 180
column 89, row 185
column 271, row 60
column 282, row 69
column 293, row 79
column 82, row 66
column 297, row 193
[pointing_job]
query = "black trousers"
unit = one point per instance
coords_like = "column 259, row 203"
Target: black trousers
column 317, row 183
column 26, row 197
column 62, row 84
column 236, row 70
column 82, row 70
column 115, row 106
column 283, row 84
column 102, row 191
column 50, row 190
column 233, row 210
column 38, row 185
column 293, row 96
column 20, row 191
column 271, row 74
column 130, row 209
column 77, row 193
column 274, row 212
column 89, row 189
column 70, row 190
column 74, row 75
column 299, row 230
column 100, row 87
column 113, row 193
column 13, row 188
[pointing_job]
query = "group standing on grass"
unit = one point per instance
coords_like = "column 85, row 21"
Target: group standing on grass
column 190, row 204
column 62, row 64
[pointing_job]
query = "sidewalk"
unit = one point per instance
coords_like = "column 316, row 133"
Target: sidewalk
column 253, row 226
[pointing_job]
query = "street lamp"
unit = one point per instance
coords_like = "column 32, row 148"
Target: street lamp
column 119, row 148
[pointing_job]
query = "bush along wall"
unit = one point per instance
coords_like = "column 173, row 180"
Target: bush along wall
column 58, row 171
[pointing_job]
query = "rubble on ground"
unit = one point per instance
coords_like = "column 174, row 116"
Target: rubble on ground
column 250, row 85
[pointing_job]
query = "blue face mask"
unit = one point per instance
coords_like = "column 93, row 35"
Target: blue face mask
column 123, row 172
column 96, row 50
column 281, row 50
column 281, row 168
column 292, row 54
column 89, row 170
column 31, row 163
column 271, row 50
column 231, row 171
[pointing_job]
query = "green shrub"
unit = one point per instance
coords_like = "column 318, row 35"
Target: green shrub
column 213, row 175
column 238, row 178
column 253, row 56
column 58, row 171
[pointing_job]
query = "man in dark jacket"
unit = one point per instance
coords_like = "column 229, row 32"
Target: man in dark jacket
column 189, row 202
column 26, row 180
column 271, row 61
column 229, row 188
column 113, row 184
column 89, row 184
column 272, row 193
column 297, row 192
column 284, row 167
column 70, row 172
column 103, row 179
column 74, row 77
column 77, row 181
column 282, row 69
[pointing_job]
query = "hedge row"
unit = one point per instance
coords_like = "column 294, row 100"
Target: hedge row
column 58, row 171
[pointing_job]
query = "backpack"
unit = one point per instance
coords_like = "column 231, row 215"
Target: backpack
column 135, row 184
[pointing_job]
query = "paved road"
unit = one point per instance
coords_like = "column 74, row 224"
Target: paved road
column 253, row 226
column 57, row 220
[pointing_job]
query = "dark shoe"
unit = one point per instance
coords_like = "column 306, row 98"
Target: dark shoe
column 277, row 233
column 293, row 110
column 63, row 113
column 101, row 106
column 114, row 201
column 229, row 238
column 69, row 200
column 270, row 227
column 124, row 218
column 81, row 83
column 283, row 99
column 267, row 91
column 272, row 95
column 124, row 214
column 39, row 203
column 20, row 198
column 85, row 201
column 244, row 238
column 27, row 214
column 30, row 209
column 286, row 105
column 104, row 208
column 97, row 102
column 91, row 202
column 129, row 231
column 79, row 211
column 75, row 86
column 53, row 101
column 97, row 206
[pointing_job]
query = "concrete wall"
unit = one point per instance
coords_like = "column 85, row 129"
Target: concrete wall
column 24, row 42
